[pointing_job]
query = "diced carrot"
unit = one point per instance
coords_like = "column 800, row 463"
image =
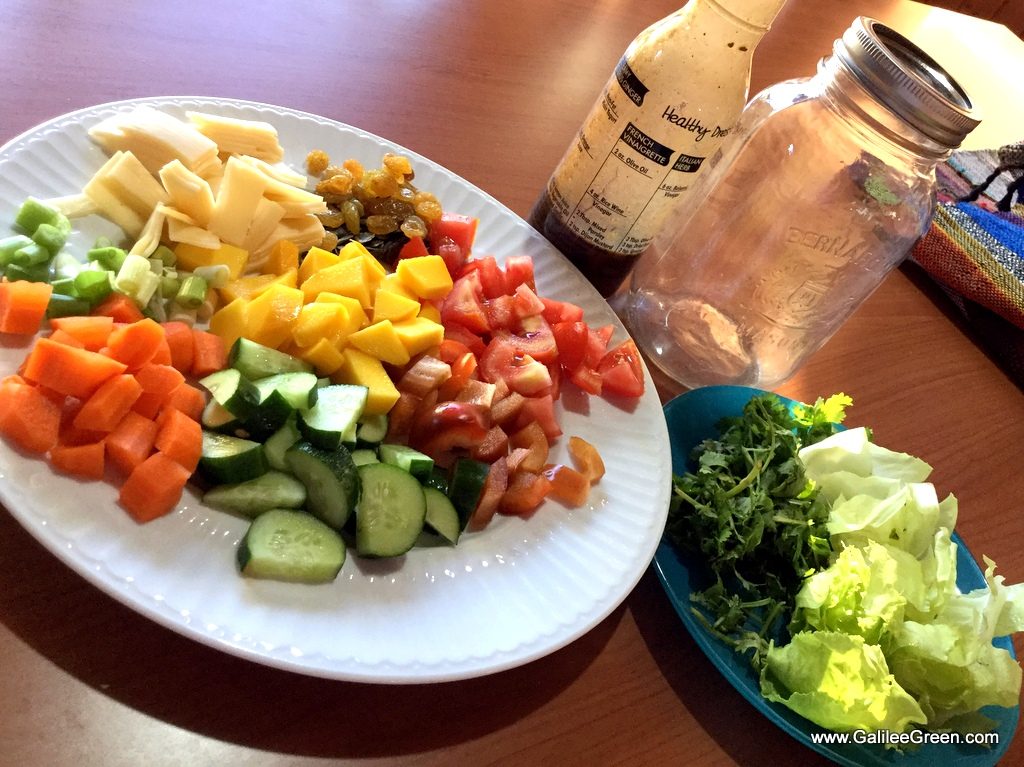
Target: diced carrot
column 208, row 353
column 567, row 485
column 91, row 331
column 188, row 399
column 157, row 381
column 120, row 307
column 62, row 337
column 28, row 417
column 131, row 441
column 162, row 355
column 180, row 438
column 23, row 306
column 153, row 488
column 85, row 461
column 108, row 404
column 179, row 340
column 76, row 372
column 136, row 343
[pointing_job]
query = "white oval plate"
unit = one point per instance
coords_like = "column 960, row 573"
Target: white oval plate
column 512, row 593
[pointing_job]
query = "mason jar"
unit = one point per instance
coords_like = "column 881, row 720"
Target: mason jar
column 822, row 191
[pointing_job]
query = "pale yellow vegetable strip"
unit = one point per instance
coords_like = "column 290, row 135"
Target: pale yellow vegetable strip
column 156, row 139
column 107, row 201
column 151, row 234
column 267, row 216
column 188, row 192
column 73, row 205
column 278, row 172
column 240, row 193
column 237, row 136
column 134, row 185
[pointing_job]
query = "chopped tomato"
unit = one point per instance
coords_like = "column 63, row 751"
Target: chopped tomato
column 453, row 331
column 519, row 271
column 561, row 311
column 502, row 361
column 571, row 340
column 535, row 339
column 464, row 304
column 492, row 278
column 500, row 312
column 413, row 248
column 526, row 302
column 525, row 493
column 459, row 228
column 454, row 257
column 621, row 371
column 540, row 410
column 587, row 379
column 451, row 350
column 567, row 485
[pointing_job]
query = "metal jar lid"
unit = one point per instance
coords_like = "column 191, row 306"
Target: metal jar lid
column 907, row 80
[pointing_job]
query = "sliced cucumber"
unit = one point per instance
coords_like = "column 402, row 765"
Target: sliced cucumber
column 256, row 361
column 226, row 459
column 363, row 456
column 405, row 457
column 232, row 391
column 298, row 389
column 442, row 518
column 466, row 485
column 331, row 480
column 273, row 490
column 337, row 409
column 277, row 445
column 438, row 479
column 372, row 428
column 288, row 545
column 217, row 418
column 391, row 511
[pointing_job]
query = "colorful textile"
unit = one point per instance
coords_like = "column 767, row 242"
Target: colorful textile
column 974, row 249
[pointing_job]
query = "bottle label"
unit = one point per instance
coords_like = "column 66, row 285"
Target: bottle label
column 633, row 157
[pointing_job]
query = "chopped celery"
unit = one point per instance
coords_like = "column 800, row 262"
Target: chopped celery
column 93, row 285
column 50, row 237
column 34, row 212
column 192, row 292
column 66, row 306
column 65, row 286
column 110, row 257
column 10, row 245
column 64, row 266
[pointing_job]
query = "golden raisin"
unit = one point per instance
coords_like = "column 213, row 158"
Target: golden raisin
column 317, row 162
column 354, row 167
column 398, row 165
column 338, row 184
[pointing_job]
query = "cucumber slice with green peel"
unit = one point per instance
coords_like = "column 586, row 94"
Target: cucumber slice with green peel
column 441, row 517
column 405, row 457
column 363, row 456
column 226, row 459
column 255, row 361
column 438, row 479
column 465, row 486
column 232, row 391
column 331, row 420
column 273, row 490
column 297, row 389
column 277, row 444
column 331, row 479
column 373, row 428
column 349, row 439
column 391, row 511
column 269, row 416
column 289, row 545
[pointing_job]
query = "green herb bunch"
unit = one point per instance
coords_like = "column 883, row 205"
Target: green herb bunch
column 752, row 516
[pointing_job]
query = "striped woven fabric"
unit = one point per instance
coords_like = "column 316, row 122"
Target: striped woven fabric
column 974, row 249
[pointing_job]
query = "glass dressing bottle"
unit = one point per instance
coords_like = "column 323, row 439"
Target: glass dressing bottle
column 824, row 189
column 672, row 99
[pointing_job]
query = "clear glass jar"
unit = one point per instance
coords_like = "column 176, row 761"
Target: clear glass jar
column 823, row 190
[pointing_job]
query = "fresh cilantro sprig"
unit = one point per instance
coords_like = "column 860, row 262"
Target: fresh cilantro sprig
column 752, row 516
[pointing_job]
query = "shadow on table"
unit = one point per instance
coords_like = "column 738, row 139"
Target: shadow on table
column 189, row 685
column 743, row 733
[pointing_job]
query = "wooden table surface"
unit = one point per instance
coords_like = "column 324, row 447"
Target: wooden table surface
column 494, row 91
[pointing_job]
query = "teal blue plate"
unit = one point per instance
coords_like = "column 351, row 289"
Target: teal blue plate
column 693, row 417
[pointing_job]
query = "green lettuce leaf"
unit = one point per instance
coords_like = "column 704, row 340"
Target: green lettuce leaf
column 839, row 682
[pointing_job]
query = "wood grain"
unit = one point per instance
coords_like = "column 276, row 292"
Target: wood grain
column 494, row 91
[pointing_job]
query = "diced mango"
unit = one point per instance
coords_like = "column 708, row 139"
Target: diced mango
column 391, row 306
column 251, row 285
column 316, row 260
column 381, row 341
column 393, row 284
column 426, row 276
column 429, row 311
column 419, row 334
column 323, row 355
column 190, row 257
column 271, row 315
column 358, row 250
column 360, row 368
column 283, row 257
column 321, row 320
column 229, row 321
column 356, row 316
column 348, row 278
